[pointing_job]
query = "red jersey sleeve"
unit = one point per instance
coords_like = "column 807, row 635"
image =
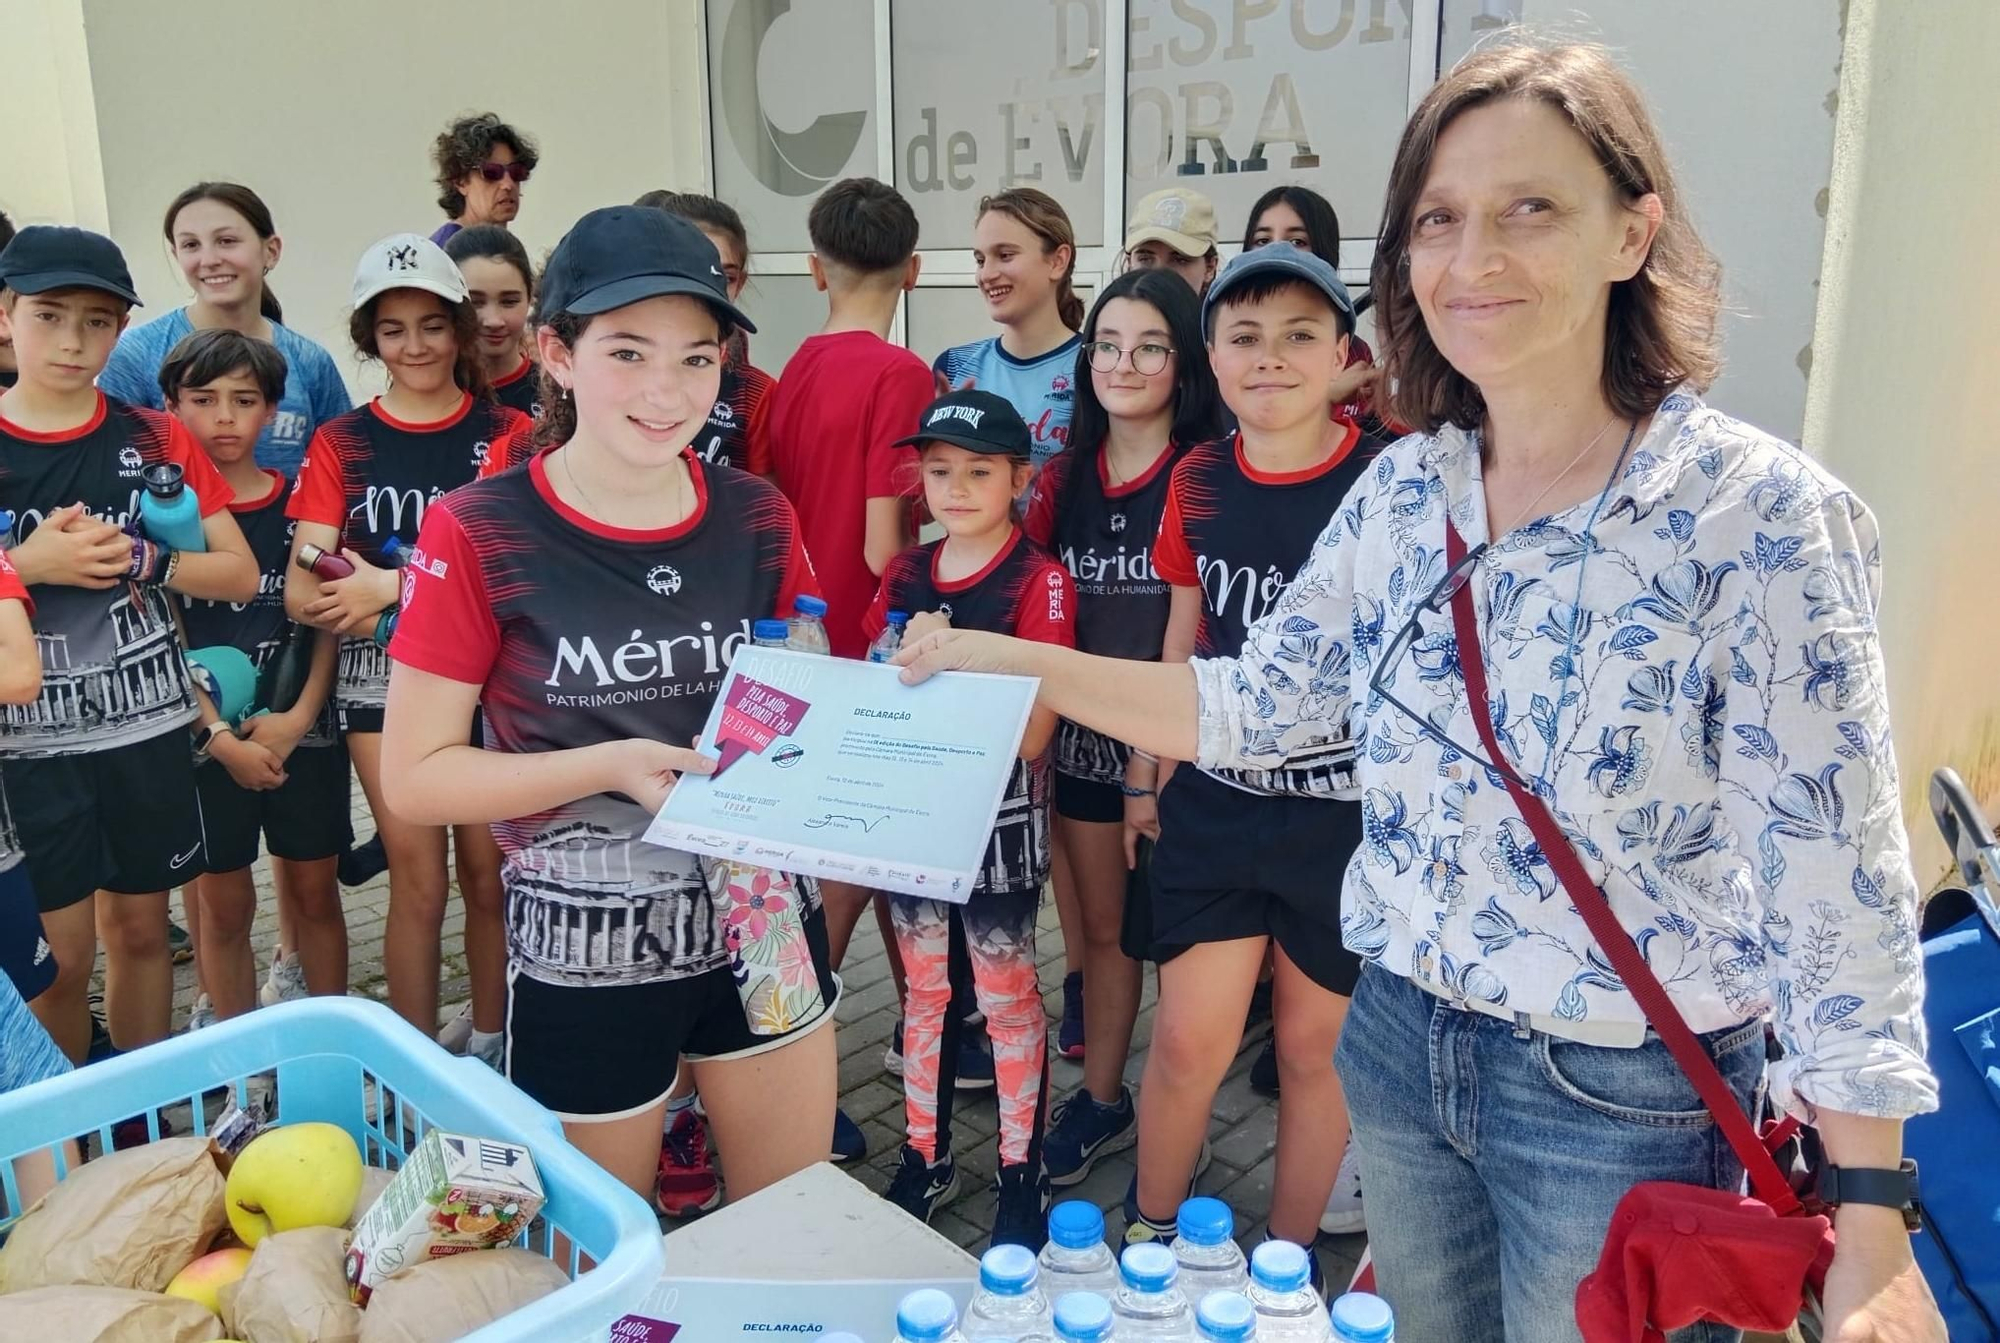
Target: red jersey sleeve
column 12, row 589
column 515, row 425
column 1039, row 521
column 877, row 618
column 199, row 473
column 508, row 450
column 446, row 624
column 1172, row 560
column 800, row 580
column 1048, row 610
column 898, row 405
column 321, row 492
column 757, row 448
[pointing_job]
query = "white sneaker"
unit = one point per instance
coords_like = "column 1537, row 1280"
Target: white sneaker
column 203, row 1015
column 456, row 1034
column 491, row 1051
column 1343, row 1215
column 287, row 982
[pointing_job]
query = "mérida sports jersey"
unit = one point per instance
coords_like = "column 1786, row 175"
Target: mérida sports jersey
column 579, row 633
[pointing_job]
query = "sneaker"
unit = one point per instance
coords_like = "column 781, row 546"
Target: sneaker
column 1082, row 1129
column 203, row 1015
column 179, row 944
column 456, row 1034
column 363, row 863
column 849, row 1143
column 892, row 1053
column 101, row 1047
column 1315, row 1275
column 287, row 982
column 490, row 1048
column 1343, row 1215
column 1264, row 1068
column 686, row 1185
column 1069, row 1032
column 1137, row 1229
column 975, row 1061
column 1021, row 1217
column 920, row 1189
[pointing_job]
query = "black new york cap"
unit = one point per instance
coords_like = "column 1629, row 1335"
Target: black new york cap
column 976, row 421
column 624, row 253
column 44, row 257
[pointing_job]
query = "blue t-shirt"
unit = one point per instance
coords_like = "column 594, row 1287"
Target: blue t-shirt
column 1042, row 390
column 27, row 1054
column 314, row 392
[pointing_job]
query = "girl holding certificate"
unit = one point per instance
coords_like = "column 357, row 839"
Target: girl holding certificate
column 589, row 603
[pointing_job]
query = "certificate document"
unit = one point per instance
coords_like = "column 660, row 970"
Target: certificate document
column 834, row 768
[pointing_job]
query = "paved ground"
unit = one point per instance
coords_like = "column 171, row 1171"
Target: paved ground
column 1242, row 1130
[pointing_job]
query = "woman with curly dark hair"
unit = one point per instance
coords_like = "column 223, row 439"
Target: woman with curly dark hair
column 482, row 163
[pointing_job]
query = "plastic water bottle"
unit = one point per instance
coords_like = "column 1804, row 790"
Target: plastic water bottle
column 168, row 509
column 1225, row 1317
column 927, row 1316
column 1009, row 1304
column 808, row 627
column 395, row 555
column 1082, row 1317
column 770, row 634
column 1149, row 1304
column 1076, row 1259
column 1361, row 1317
column 1210, row 1260
column 890, row 641
column 1288, row 1309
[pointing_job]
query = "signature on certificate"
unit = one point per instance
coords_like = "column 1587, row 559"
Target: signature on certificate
column 836, row 821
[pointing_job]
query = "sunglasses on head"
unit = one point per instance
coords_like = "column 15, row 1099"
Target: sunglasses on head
column 493, row 172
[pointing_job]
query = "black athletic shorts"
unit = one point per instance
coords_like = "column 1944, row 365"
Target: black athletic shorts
column 368, row 718
column 603, row 1052
column 1232, row 864
column 1088, row 800
column 305, row 820
column 118, row 820
column 25, row 957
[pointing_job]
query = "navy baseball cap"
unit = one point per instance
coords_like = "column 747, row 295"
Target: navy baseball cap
column 624, row 253
column 44, row 257
column 1274, row 262
column 976, row 421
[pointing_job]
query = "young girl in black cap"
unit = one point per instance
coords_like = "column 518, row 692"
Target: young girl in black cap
column 367, row 480
column 982, row 574
column 590, row 603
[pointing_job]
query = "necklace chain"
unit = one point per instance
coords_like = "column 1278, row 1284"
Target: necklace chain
column 591, row 504
column 1557, row 479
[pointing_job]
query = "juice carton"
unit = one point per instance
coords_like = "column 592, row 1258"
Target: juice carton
column 455, row 1193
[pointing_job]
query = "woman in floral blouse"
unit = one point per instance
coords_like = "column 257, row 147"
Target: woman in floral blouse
column 1677, row 614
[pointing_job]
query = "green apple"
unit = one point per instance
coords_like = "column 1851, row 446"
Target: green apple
column 294, row 1176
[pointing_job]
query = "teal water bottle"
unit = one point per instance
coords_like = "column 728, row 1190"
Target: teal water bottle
column 168, row 510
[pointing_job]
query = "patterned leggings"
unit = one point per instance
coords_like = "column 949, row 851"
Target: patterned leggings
column 999, row 938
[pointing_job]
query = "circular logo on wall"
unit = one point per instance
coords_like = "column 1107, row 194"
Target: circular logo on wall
column 664, row 579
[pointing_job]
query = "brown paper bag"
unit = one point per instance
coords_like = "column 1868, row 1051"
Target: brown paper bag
column 295, row 1291
column 374, row 1180
column 103, row 1315
column 129, row 1219
column 440, row 1300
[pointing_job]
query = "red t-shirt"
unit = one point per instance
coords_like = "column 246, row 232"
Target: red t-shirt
column 12, row 589
column 844, row 400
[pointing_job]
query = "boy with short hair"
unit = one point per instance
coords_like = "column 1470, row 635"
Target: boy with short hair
column 98, row 768
column 282, row 772
column 983, row 574
column 834, row 420
column 1250, row 861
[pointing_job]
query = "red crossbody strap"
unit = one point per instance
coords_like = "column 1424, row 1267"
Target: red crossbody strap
column 1766, row 1179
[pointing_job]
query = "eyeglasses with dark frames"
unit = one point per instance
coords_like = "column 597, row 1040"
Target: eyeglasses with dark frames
column 1148, row 358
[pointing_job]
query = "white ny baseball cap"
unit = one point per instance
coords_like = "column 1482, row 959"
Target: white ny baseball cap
column 407, row 261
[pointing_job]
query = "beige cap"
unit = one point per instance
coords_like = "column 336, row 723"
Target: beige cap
column 1182, row 219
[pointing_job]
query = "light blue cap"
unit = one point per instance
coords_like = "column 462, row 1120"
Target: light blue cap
column 1009, row 1270
column 1205, row 1221
column 1280, row 1266
column 926, row 1316
column 1076, row 1224
column 1082, row 1317
column 1149, row 1267
column 1226, row 1317
column 1361, row 1317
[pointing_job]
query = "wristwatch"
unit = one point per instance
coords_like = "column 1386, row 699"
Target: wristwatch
column 204, row 737
column 1885, row 1188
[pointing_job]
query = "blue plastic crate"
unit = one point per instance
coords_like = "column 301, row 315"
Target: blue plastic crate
column 354, row 1063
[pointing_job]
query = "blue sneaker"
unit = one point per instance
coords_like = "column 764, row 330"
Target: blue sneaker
column 1082, row 1129
column 921, row 1188
column 1069, row 1032
column 975, row 1060
column 849, row 1143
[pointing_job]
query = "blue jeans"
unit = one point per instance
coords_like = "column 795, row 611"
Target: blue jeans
column 1491, row 1160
